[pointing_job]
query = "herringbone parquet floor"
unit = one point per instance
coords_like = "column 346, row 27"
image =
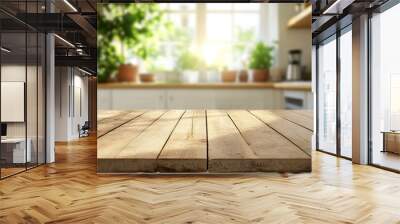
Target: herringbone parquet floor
column 70, row 191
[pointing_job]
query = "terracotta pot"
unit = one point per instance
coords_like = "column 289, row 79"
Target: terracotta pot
column 127, row 73
column 228, row 76
column 146, row 77
column 260, row 75
column 243, row 76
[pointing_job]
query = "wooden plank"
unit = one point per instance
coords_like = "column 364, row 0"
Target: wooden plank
column 186, row 149
column 269, row 146
column 270, row 151
column 306, row 113
column 110, row 145
column 142, row 152
column 225, row 143
column 176, row 141
column 108, row 124
column 298, row 135
column 297, row 117
column 103, row 114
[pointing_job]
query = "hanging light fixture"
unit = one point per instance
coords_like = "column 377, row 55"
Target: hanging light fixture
column 70, row 5
column 5, row 50
column 64, row 40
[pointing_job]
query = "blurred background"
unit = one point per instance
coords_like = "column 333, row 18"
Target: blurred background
column 204, row 55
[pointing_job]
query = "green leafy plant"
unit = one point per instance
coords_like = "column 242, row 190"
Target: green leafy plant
column 261, row 56
column 108, row 62
column 189, row 61
column 135, row 27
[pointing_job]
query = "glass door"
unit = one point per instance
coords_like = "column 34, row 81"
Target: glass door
column 327, row 96
column 385, row 89
column 345, row 59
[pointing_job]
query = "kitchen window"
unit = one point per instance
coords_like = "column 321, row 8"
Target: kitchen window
column 222, row 33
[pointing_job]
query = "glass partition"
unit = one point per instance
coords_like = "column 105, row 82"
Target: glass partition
column 15, row 149
column 346, row 93
column 22, row 91
column 327, row 96
column 385, row 89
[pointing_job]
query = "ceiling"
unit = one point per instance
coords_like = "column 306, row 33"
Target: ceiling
column 74, row 22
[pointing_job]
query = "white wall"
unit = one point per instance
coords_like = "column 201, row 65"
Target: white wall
column 80, row 100
column 70, row 83
column 292, row 38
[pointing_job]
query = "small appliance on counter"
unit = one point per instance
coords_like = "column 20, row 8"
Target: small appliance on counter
column 294, row 69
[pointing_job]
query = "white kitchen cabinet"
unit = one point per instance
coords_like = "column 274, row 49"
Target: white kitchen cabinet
column 159, row 98
column 190, row 99
column 244, row 99
column 104, row 101
column 222, row 99
column 126, row 99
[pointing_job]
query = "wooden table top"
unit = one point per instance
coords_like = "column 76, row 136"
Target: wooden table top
column 204, row 140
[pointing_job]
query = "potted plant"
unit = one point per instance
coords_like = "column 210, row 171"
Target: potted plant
column 260, row 62
column 243, row 75
column 189, row 65
column 108, row 62
column 228, row 75
column 212, row 73
column 134, row 28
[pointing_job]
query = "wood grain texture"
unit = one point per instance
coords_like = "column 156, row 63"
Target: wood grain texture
column 109, row 146
column 119, row 118
column 200, row 141
column 296, row 116
column 143, row 151
column 263, row 140
column 103, row 114
column 70, row 191
column 224, row 139
column 238, row 142
column 298, row 135
column 306, row 113
column 186, row 150
column 269, row 151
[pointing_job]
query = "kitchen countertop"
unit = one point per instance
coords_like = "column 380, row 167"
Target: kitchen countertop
column 298, row 85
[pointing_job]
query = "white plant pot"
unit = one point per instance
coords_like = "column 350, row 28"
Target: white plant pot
column 190, row 76
column 213, row 76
